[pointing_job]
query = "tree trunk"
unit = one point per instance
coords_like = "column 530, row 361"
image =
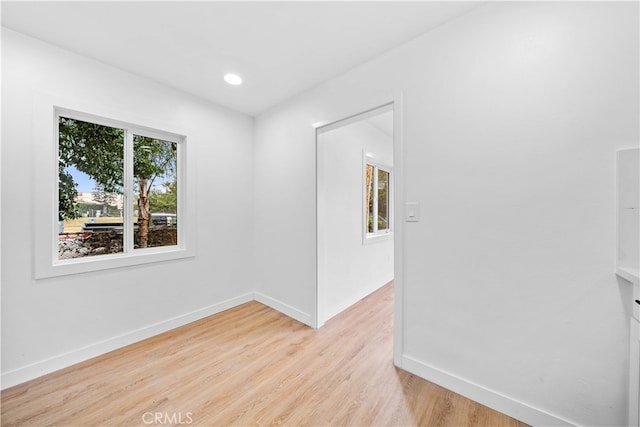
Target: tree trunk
column 144, row 213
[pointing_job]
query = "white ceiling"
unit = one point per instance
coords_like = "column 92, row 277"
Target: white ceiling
column 279, row 48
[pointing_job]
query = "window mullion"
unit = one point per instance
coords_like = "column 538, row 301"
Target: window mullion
column 128, row 192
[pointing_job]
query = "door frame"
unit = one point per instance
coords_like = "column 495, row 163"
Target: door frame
column 395, row 105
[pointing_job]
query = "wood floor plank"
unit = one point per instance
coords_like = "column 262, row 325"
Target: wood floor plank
column 250, row 365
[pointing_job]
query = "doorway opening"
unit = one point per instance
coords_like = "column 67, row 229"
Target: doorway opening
column 355, row 209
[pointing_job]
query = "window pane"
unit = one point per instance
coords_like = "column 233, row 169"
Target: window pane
column 155, row 165
column 90, row 198
column 383, row 200
column 369, row 193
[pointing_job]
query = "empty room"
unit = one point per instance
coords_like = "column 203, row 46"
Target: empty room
column 320, row 213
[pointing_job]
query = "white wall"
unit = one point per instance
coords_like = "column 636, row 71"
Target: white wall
column 348, row 270
column 51, row 323
column 511, row 118
column 628, row 187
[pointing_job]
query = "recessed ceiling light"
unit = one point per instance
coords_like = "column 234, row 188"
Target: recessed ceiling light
column 233, row 79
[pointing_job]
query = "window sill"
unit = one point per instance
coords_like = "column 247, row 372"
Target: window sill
column 376, row 238
column 105, row 262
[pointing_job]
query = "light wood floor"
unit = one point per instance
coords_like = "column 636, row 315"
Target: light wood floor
column 250, row 366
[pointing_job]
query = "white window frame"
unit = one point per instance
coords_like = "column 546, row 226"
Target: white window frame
column 377, row 235
column 47, row 262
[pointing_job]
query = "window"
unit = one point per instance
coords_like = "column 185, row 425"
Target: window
column 119, row 196
column 92, row 165
column 377, row 199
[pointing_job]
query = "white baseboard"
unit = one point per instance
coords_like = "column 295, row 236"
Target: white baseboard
column 494, row 400
column 29, row 372
column 284, row 308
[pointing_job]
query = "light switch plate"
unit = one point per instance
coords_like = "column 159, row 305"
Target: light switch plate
column 412, row 211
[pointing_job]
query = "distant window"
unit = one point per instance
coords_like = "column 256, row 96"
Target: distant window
column 118, row 188
column 377, row 199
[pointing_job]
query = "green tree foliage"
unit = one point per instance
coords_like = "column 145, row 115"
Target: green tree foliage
column 98, row 151
column 165, row 201
column 94, row 149
column 67, row 190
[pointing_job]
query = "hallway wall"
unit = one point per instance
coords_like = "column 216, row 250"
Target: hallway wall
column 511, row 118
column 349, row 269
